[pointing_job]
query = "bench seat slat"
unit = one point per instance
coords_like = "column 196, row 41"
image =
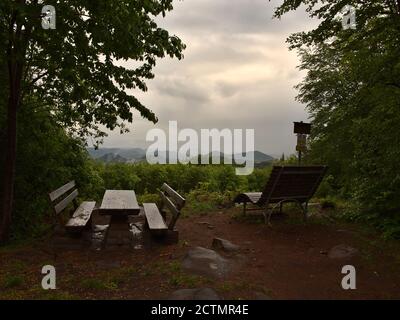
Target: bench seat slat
column 154, row 218
column 81, row 216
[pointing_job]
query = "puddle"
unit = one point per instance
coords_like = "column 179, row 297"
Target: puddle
column 136, row 229
column 137, row 235
column 98, row 238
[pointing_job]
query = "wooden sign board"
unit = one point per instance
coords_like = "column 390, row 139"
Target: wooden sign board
column 302, row 128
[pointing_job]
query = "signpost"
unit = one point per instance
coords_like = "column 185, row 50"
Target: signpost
column 302, row 130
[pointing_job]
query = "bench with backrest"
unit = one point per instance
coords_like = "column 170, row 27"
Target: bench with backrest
column 285, row 184
column 156, row 218
column 80, row 216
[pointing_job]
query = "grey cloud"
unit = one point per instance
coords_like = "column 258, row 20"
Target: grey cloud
column 226, row 89
column 186, row 89
column 231, row 16
column 237, row 73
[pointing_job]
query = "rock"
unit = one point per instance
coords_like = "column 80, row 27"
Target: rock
column 342, row 252
column 206, row 262
column 194, row 294
column 225, row 245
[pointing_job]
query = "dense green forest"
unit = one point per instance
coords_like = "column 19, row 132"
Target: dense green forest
column 352, row 91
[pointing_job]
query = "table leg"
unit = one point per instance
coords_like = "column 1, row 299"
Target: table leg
column 118, row 232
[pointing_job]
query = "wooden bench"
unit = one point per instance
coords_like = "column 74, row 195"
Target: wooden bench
column 156, row 217
column 80, row 217
column 285, row 184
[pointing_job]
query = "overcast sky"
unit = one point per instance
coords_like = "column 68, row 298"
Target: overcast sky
column 237, row 73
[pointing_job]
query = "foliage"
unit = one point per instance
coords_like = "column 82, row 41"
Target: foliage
column 83, row 74
column 147, row 179
column 48, row 158
column 74, row 68
column 352, row 92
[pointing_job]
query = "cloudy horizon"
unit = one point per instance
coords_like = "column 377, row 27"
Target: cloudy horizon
column 238, row 73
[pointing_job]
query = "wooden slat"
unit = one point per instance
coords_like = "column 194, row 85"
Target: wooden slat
column 60, row 191
column 153, row 216
column 287, row 182
column 252, row 197
column 318, row 172
column 270, row 186
column 81, row 216
column 65, row 202
column 318, row 182
column 169, row 204
column 119, row 201
column 179, row 200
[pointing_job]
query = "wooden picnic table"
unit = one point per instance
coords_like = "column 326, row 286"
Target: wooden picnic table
column 119, row 204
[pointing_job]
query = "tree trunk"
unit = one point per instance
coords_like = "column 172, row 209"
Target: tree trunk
column 9, row 169
column 16, row 57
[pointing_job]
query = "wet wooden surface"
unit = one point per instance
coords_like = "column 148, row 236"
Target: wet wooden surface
column 119, row 202
column 154, row 218
column 81, row 216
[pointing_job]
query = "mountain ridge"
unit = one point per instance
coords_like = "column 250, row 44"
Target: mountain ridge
column 138, row 154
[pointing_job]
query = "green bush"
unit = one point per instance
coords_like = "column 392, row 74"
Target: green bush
column 47, row 158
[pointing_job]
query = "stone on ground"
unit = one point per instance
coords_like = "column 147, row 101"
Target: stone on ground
column 206, row 262
column 225, row 245
column 342, row 252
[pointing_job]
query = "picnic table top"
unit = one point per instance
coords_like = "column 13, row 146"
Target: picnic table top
column 119, row 202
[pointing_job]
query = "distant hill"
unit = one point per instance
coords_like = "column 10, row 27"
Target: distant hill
column 262, row 157
column 137, row 154
column 111, row 157
column 129, row 154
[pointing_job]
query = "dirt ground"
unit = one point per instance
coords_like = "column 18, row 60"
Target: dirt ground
column 286, row 261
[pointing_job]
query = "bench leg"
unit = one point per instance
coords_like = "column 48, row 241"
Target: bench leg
column 88, row 226
column 244, row 208
column 305, row 210
column 267, row 215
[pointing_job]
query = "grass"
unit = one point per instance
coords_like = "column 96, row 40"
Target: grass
column 17, row 265
column 185, row 280
column 56, row 295
column 12, row 281
column 176, row 277
column 99, row 284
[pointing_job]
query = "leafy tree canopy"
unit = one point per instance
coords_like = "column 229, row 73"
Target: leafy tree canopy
column 352, row 91
column 73, row 69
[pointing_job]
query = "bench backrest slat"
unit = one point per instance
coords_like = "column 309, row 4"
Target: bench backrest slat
column 65, row 202
column 60, row 191
column 179, row 200
column 173, row 201
column 292, row 182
